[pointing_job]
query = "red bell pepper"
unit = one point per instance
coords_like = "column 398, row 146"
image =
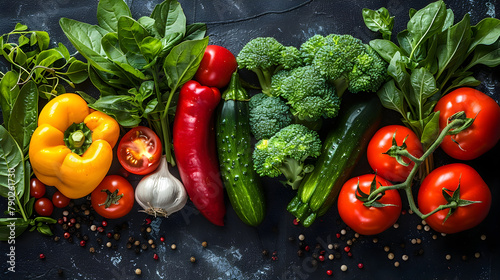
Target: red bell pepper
column 216, row 67
column 195, row 149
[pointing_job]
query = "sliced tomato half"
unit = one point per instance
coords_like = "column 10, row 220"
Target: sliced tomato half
column 140, row 150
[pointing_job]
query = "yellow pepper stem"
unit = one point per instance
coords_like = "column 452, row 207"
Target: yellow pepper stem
column 77, row 139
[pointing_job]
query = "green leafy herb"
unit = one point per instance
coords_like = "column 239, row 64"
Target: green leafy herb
column 139, row 65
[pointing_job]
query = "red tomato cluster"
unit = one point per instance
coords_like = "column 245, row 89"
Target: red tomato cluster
column 456, row 183
column 44, row 206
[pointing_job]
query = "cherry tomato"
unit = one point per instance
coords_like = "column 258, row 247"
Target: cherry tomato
column 44, row 207
column 60, row 200
column 482, row 135
column 472, row 188
column 37, row 188
column 216, row 67
column 368, row 220
column 385, row 165
column 140, row 150
column 121, row 197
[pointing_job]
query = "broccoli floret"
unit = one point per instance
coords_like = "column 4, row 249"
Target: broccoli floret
column 268, row 115
column 286, row 153
column 345, row 62
column 290, row 58
column 261, row 55
column 307, row 92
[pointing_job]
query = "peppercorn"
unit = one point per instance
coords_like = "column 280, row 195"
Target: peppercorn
column 138, row 271
column 162, row 239
column 148, row 229
column 329, row 272
column 129, row 245
column 60, row 221
column 265, row 252
column 300, row 253
column 131, row 239
column 65, row 213
column 155, row 256
column 192, row 259
column 65, row 227
column 77, row 225
column 42, row 256
column 85, row 237
column 109, row 235
column 92, row 250
column 56, row 238
column 86, row 212
column 343, row 267
column 148, row 221
column 137, row 243
column 109, row 244
column 104, row 223
column 78, row 235
column 93, row 227
column 173, row 246
column 99, row 240
column 116, row 236
column 153, row 246
column 150, row 241
column 144, row 246
column 82, row 243
column 67, row 235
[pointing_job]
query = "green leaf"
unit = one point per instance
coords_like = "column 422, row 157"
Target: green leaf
column 426, row 22
column 488, row 55
column 121, row 107
column 450, row 19
column 27, row 180
column 404, row 41
column 169, row 18
column 385, row 48
column 149, row 24
column 109, row 11
column 486, row 32
column 150, row 47
column 11, row 166
column 183, row 61
column 391, row 97
column 104, row 88
column 77, row 71
column 25, row 110
column 20, row 27
column 43, row 39
column 195, row 31
column 145, row 90
column 397, row 70
column 453, row 45
column 379, row 21
column 9, row 90
column 130, row 34
column 17, row 224
column 423, row 86
column 431, row 130
column 21, row 57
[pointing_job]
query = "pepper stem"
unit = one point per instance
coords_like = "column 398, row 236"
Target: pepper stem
column 77, row 139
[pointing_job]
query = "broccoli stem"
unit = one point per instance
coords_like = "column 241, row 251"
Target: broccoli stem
column 294, row 172
column 264, row 77
column 341, row 86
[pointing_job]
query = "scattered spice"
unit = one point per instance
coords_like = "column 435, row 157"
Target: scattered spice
column 173, row 247
column 109, row 244
column 138, row 271
column 343, row 267
column 92, row 250
column 192, row 259
column 42, row 256
column 155, row 256
column 302, row 237
column 104, row 223
column 329, row 272
column 162, row 239
column 204, row 244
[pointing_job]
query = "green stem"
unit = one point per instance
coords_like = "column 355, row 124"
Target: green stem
column 21, row 210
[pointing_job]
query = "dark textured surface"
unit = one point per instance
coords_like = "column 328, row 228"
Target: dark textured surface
column 235, row 250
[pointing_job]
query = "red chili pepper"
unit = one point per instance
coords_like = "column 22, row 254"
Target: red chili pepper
column 216, row 67
column 195, row 150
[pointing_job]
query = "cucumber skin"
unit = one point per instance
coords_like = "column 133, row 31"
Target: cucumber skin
column 342, row 149
column 236, row 165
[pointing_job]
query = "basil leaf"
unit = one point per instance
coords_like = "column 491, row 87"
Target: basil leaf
column 9, row 90
column 104, row 88
column 25, row 112
column 111, row 46
column 404, row 41
column 17, row 224
column 379, row 21
column 385, row 48
column 423, row 86
column 486, row 32
column 149, row 24
column 397, row 70
column 121, row 107
column 169, row 18
column 150, row 47
column 431, row 130
column 109, row 11
column 195, row 31
column 77, row 72
column 183, row 61
column 426, row 22
column 130, row 34
column 11, row 166
column 391, row 97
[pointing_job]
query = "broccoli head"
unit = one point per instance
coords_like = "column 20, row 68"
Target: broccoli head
column 346, row 62
column 261, row 55
column 286, row 153
column 307, row 92
column 268, row 115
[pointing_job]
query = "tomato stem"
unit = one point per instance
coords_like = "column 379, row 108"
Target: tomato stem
column 407, row 184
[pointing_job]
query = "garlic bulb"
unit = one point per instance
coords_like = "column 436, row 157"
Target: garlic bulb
column 160, row 193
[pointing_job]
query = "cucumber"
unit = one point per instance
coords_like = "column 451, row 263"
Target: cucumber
column 344, row 145
column 234, row 148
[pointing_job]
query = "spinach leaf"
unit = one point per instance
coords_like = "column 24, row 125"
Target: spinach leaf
column 77, row 72
column 423, row 86
column 385, row 48
column 11, row 166
column 130, row 34
column 486, row 32
column 19, row 225
column 121, row 107
column 109, row 12
column 9, row 90
column 488, row 55
column 391, row 97
column 431, row 129
column 25, row 112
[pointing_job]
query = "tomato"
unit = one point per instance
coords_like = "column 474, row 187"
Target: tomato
column 60, row 200
column 484, row 132
column 368, row 220
column 472, row 188
column 37, row 188
column 385, row 165
column 121, row 197
column 216, row 67
column 44, row 207
column 140, row 150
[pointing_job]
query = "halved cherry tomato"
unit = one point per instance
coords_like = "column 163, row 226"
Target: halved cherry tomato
column 140, row 150
column 60, row 200
column 363, row 219
column 447, row 179
column 216, row 67
column 37, row 188
column 113, row 198
column 44, row 207
column 385, row 165
column 482, row 135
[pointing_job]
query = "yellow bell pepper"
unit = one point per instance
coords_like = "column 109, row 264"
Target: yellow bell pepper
column 72, row 147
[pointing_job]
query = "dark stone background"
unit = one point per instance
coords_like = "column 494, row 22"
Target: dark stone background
column 235, row 250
